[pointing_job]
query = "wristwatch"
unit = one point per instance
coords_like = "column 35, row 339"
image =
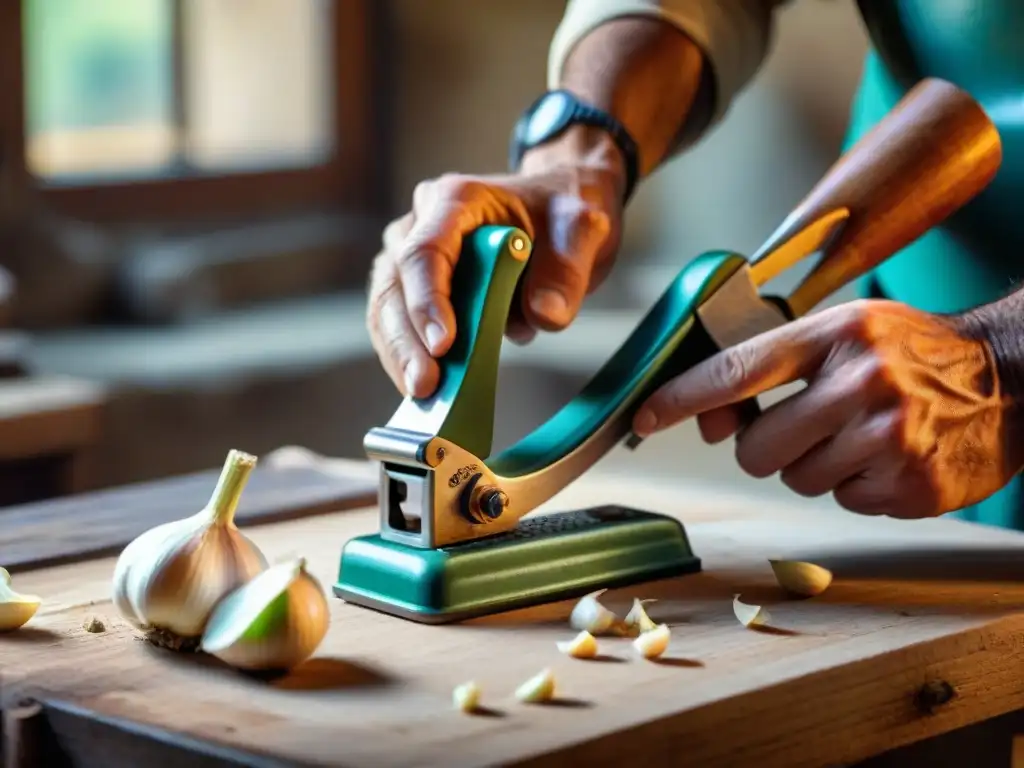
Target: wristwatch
column 553, row 113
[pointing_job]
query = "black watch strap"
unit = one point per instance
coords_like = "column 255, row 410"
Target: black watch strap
column 580, row 113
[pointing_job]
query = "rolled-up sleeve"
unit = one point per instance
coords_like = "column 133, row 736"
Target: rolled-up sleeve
column 734, row 35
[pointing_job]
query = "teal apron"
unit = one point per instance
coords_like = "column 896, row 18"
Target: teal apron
column 977, row 256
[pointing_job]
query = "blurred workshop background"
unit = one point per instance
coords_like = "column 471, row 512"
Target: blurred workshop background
column 191, row 192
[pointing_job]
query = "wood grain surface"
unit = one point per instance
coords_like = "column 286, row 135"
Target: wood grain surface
column 916, row 607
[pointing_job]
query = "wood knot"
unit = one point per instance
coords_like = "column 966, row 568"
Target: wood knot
column 933, row 695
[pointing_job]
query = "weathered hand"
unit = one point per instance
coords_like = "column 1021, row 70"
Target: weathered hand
column 902, row 415
column 572, row 211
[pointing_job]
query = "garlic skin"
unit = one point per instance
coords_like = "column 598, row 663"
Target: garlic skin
column 540, row 687
column 750, row 615
column 275, row 622
column 583, row 646
column 466, row 697
column 590, row 616
column 654, row 642
column 637, row 620
column 16, row 609
column 169, row 579
column 801, row 579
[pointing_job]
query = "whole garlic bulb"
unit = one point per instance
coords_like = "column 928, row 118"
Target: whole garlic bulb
column 169, row 579
column 275, row 622
column 15, row 608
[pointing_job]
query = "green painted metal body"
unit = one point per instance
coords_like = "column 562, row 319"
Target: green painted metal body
column 549, row 557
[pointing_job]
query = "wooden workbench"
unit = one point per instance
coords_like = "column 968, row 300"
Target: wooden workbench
column 921, row 634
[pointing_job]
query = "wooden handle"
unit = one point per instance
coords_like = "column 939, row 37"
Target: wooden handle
column 933, row 153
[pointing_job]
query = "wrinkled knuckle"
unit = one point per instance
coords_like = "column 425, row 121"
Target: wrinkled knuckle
column 858, row 320
column 731, row 368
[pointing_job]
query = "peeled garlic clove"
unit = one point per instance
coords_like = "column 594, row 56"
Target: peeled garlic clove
column 803, row 579
column 750, row 615
column 15, row 608
column 540, row 687
column 275, row 622
column 583, row 646
column 654, row 642
column 589, row 615
column 637, row 619
column 168, row 580
column 466, row 697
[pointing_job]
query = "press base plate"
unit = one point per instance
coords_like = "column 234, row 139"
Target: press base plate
column 546, row 559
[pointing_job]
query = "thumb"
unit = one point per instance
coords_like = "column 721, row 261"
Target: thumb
column 559, row 275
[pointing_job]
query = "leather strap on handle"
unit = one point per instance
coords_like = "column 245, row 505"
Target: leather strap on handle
column 933, row 153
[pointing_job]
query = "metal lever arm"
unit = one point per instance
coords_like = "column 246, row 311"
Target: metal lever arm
column 454, row 427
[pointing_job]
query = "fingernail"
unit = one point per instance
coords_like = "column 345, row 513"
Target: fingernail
column 551, row 304
column 412, row 375
column 435, row 337
column 645, row 423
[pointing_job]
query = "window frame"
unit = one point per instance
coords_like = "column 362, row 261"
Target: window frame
column 350, row 178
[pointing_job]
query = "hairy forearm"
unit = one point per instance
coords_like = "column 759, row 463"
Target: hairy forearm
column 646, row 73
column 1001, row 325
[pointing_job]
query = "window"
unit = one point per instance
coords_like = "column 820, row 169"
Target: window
column 141, row 110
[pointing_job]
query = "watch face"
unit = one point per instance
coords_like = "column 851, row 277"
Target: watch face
column 549, row 118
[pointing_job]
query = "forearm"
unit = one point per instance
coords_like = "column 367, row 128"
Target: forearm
column 667, row 69
column 1001, row 325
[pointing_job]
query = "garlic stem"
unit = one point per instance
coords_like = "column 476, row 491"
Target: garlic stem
column 233, row 478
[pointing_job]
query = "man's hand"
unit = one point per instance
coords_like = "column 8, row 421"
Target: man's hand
column 903, row 413
column 568, row 198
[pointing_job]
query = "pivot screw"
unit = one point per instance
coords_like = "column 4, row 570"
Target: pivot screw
column 492, row 503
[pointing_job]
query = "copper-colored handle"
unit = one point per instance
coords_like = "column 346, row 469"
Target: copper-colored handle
column 933, row 153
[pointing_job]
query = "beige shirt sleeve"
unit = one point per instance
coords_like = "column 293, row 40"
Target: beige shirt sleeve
column 733, row 34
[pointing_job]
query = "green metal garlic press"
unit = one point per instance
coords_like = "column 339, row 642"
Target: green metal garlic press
column 455, row 541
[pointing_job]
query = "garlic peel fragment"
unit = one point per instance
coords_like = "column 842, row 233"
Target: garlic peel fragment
column 800, row 578
column 274, row 622
column 591, row 616
column 540, row 687
column 466, row 697
column 16, row 609
column 637, row 619
column 168, row 580
column 654, row 642
column 750, row 615
column 583, row 646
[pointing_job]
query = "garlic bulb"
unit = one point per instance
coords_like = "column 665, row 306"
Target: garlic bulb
column 540, row 687
column 652, row 643
column 274, row 622
column 169, row 579
column 583, row 646
column 15, row 609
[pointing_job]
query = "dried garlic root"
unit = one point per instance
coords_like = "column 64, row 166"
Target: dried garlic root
column 654, row 642
column 466, row 697
column 637, row 619
column 583, row 646
column 15, row 608
column 540, row 687
column 591, row 616
column 803, row 579
column 750, row 615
